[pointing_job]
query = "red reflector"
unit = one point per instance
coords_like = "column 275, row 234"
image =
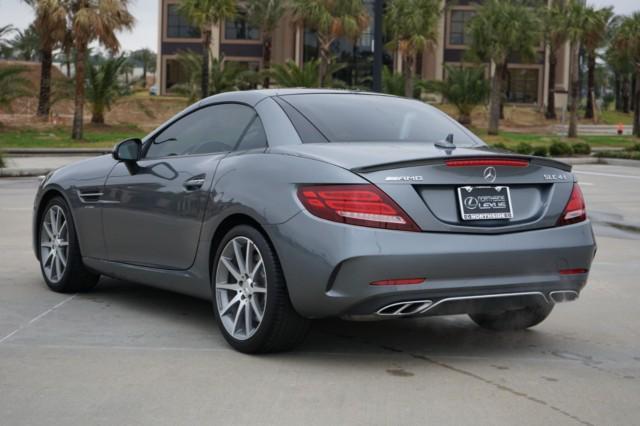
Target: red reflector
column 479, row 162
column 576, row 210
column 364, row 205
column 576, row 271
column 400, row 281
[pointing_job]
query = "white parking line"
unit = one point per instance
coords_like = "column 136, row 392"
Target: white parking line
column 48, row 311
column 607, row 174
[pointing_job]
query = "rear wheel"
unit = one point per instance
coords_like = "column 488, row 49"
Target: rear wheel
column 251, row 301
column 60, row 258
column 519, row 319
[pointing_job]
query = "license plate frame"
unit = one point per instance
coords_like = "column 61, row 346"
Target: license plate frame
column 485, row 202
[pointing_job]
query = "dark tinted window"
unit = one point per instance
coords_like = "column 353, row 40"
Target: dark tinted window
column 254, row 137
column 208, row 130
column 178, row 26
column 372, row 118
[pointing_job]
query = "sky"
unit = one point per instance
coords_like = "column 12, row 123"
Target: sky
column 145, row 33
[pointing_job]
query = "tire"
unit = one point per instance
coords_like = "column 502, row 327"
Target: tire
column 520, row 319
column 67, row 273
column 256, row 287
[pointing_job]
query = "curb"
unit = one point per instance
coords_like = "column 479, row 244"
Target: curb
column 13, row 172
column 50, row 152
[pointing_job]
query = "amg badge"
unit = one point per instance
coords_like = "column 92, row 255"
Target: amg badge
column 404, row 179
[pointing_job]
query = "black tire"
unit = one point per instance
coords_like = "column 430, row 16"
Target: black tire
column 281, row 328
column 76, row 277
column 519, row 319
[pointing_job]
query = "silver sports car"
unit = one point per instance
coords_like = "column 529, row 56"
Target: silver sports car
column 286, row 205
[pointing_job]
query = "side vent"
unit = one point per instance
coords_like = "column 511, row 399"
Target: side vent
column 89, row 196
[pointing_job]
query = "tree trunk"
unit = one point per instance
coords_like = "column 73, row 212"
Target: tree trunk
column 408, row 63
column 574, row 92
column 495, row 100
column 636, row 111
column 625, row 94
column 98, row 114
column 144, row 74
column 551, row 90
column 325, row 56
column 618, row 89
column 68, row 68
column 45, row 82
column 591, row 84
column 503, row 98
column 204, row 78
column 78, row 114
column 266, row 59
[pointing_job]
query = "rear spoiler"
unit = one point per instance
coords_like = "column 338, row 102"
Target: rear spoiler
column 540, row 161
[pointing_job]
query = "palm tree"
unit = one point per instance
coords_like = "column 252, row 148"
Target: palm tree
column 555, row 35
column 501, row 29
column 91, row 20
column 13, row 85
column 627, row 39
column 594, row 37
column 25, row 45
column 266, row 14
column 464, row 87
column 576, row 22
column 4, row 32
column 330, row 19
column 146, row 59
column 50, row 25
column 103, row 87
column 290, row 74
column 412, row 26
column 392, row 83
column 205, row 14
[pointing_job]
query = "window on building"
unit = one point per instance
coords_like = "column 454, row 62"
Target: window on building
column 522, row 85
column 458, row 27
column 178, row 26
column 240, row 29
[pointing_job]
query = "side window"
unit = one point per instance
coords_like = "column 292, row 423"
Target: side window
column 254, row 137
column 209, row 130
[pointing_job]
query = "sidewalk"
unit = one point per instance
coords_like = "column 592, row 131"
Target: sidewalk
column 593, row 129
column 37, row 165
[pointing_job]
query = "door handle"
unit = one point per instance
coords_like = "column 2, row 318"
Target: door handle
column 194, row 183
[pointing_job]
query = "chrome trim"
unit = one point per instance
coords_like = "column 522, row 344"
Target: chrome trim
column 566, row 296
column 90, row 197
column 429, row 305
column 423, row 304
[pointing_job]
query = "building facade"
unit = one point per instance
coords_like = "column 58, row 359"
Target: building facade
column 526, row 83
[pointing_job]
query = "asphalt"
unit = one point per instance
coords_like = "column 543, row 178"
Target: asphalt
column 127, row 354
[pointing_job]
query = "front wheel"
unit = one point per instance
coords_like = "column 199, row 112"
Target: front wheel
column 518, row 319
column 60, row 258
column 251, row 301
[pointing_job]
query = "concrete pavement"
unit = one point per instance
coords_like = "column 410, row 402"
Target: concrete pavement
column 126, row 354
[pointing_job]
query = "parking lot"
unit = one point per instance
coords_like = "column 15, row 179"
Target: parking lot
column 126, row 354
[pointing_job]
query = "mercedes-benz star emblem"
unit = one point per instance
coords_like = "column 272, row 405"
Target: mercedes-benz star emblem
column 490, row 174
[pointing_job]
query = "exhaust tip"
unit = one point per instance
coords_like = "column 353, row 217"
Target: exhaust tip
column 563, row 296
column 404, row 308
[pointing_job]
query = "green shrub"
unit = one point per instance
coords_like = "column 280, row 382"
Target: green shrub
column 1, row 160
column 540, row 151
column 634, row 147
column 627, row 155
column 581, row 148
column 500, row 145
column 524, row 148
column 560, row 149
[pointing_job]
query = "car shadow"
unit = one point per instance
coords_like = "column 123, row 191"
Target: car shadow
column 453, row 336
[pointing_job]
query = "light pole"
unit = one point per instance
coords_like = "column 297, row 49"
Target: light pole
column 377, row 45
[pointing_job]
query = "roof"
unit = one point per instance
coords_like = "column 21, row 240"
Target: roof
column 252, row 97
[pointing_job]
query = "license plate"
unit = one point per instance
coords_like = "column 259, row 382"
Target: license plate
column 485, row 202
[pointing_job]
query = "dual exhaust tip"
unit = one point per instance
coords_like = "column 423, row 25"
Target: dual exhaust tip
column 418, row 307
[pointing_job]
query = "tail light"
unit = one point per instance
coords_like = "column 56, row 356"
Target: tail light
column 363, row 205
column 576, row 210
column 401, row 281
column 483, row 162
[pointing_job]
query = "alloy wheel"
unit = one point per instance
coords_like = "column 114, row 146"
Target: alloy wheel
column 54, row 243
column 241, row 288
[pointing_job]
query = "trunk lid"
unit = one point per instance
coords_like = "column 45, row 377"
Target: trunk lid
column 424, row 180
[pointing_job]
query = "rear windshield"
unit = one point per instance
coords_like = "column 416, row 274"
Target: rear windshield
column 372, row 118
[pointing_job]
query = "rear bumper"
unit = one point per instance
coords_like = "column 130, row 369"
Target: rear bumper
column 329, row 266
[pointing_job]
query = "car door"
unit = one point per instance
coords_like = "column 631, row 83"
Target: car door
column 153, row 210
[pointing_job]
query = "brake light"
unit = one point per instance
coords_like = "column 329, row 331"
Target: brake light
column 363, row 205
column 403, row 281
column 576, row 271
column 576, row 210
column 484, row 162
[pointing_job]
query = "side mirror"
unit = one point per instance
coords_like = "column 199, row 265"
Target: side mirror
column 128, row 150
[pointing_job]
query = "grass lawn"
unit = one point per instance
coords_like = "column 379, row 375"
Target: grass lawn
column 60, row 137
column 615, row 118
column 511, row 139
